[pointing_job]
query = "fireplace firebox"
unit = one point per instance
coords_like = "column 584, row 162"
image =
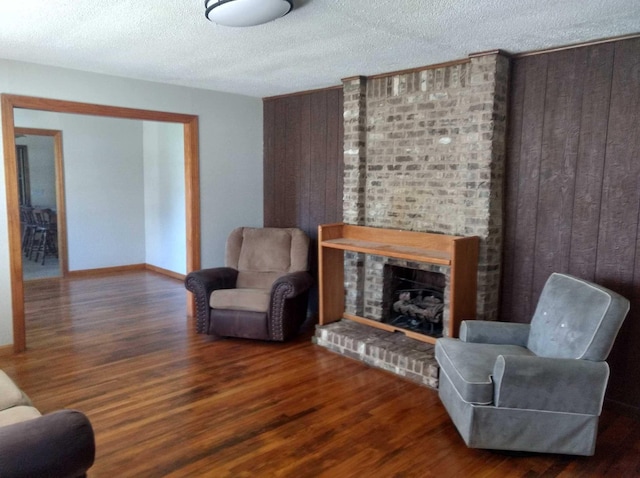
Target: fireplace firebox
column 413, row 299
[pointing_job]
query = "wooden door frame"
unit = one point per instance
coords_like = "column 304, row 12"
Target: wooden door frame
column 61, row 210
column 192, row 185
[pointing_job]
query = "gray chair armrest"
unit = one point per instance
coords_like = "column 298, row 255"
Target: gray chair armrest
column 541, row 383
column 499, row 333
column 202, row 283
column 56, row 445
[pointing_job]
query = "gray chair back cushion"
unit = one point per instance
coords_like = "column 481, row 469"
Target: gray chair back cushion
column 576, row 319
column 262, row 255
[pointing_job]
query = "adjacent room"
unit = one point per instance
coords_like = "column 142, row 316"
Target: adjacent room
column 305, row 238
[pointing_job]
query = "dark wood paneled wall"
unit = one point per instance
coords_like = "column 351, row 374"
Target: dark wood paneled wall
column 303, row 162
column 572, row 180
column 573, row 186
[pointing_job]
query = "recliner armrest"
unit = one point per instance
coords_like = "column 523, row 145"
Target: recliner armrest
column 202, row 283
column 59, row 444
column 291, row 285
column 288, row 308
column 499, row 333
column 211, row 279
column 541, row 383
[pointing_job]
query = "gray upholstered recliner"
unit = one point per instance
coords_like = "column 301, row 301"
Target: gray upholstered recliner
column 535, row 387
column 262, row 292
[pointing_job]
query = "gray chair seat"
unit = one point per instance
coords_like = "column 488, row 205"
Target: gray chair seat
column 470, row 366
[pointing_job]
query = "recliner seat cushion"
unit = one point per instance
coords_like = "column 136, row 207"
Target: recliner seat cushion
column 254, row 300
column 17, row 414
column 469, row 366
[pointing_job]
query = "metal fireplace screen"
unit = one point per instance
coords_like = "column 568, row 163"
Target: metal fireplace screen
column 415, row 300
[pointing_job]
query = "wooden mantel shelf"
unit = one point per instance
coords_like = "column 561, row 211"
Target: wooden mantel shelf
column 391, row 250
column 457, row 252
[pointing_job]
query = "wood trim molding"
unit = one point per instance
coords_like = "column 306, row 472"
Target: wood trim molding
column 420, row 68
column 63, row 250
column 409, row 70
column 192, row 190
column 101, row 271
column 64, row 106
column 36, row 131
column 300, row 93
column 106, row 270
column 192, row 181
column 576, row 45
column 355, row 77
column 13, row 219
column 490, row 52
column 165, row 272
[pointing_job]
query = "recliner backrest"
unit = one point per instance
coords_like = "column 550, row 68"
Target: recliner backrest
column 576, row 319
column 262, row 255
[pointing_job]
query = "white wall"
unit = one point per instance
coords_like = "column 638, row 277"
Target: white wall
column 231, row 187
column 103, row 183
column 164, row 196
column 42, row 169
column 230, row 149
column 103, row 175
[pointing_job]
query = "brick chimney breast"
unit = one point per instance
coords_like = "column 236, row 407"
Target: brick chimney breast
column 425, row 151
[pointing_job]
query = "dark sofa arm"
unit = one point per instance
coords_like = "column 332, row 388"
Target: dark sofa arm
column 288, row 309
column 202, row 283
column 57, row 445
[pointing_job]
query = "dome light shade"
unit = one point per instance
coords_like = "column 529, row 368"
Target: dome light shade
column 246, row 13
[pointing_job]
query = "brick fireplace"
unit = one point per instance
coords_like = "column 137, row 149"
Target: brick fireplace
column 424, row 151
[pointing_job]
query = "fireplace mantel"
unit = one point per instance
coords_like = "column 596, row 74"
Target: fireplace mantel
column 457, row 252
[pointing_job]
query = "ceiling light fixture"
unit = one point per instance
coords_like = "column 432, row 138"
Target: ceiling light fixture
column 246, row 13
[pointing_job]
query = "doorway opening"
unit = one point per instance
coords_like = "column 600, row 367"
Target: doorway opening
column 41, row 197
column 191, row 175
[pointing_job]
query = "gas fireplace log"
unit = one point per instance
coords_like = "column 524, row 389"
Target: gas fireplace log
column 429, row 312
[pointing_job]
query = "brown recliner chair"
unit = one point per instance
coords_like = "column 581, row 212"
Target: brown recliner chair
column 262, row 292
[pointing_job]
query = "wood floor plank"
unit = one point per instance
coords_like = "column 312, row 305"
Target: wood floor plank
column 166, row 402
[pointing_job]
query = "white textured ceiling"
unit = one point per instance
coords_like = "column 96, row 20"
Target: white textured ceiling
column 316, row 45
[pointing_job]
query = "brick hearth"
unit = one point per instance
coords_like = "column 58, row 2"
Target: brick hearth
column 389, row 351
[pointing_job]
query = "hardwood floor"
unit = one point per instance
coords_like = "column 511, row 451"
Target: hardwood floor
column 167, row 402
